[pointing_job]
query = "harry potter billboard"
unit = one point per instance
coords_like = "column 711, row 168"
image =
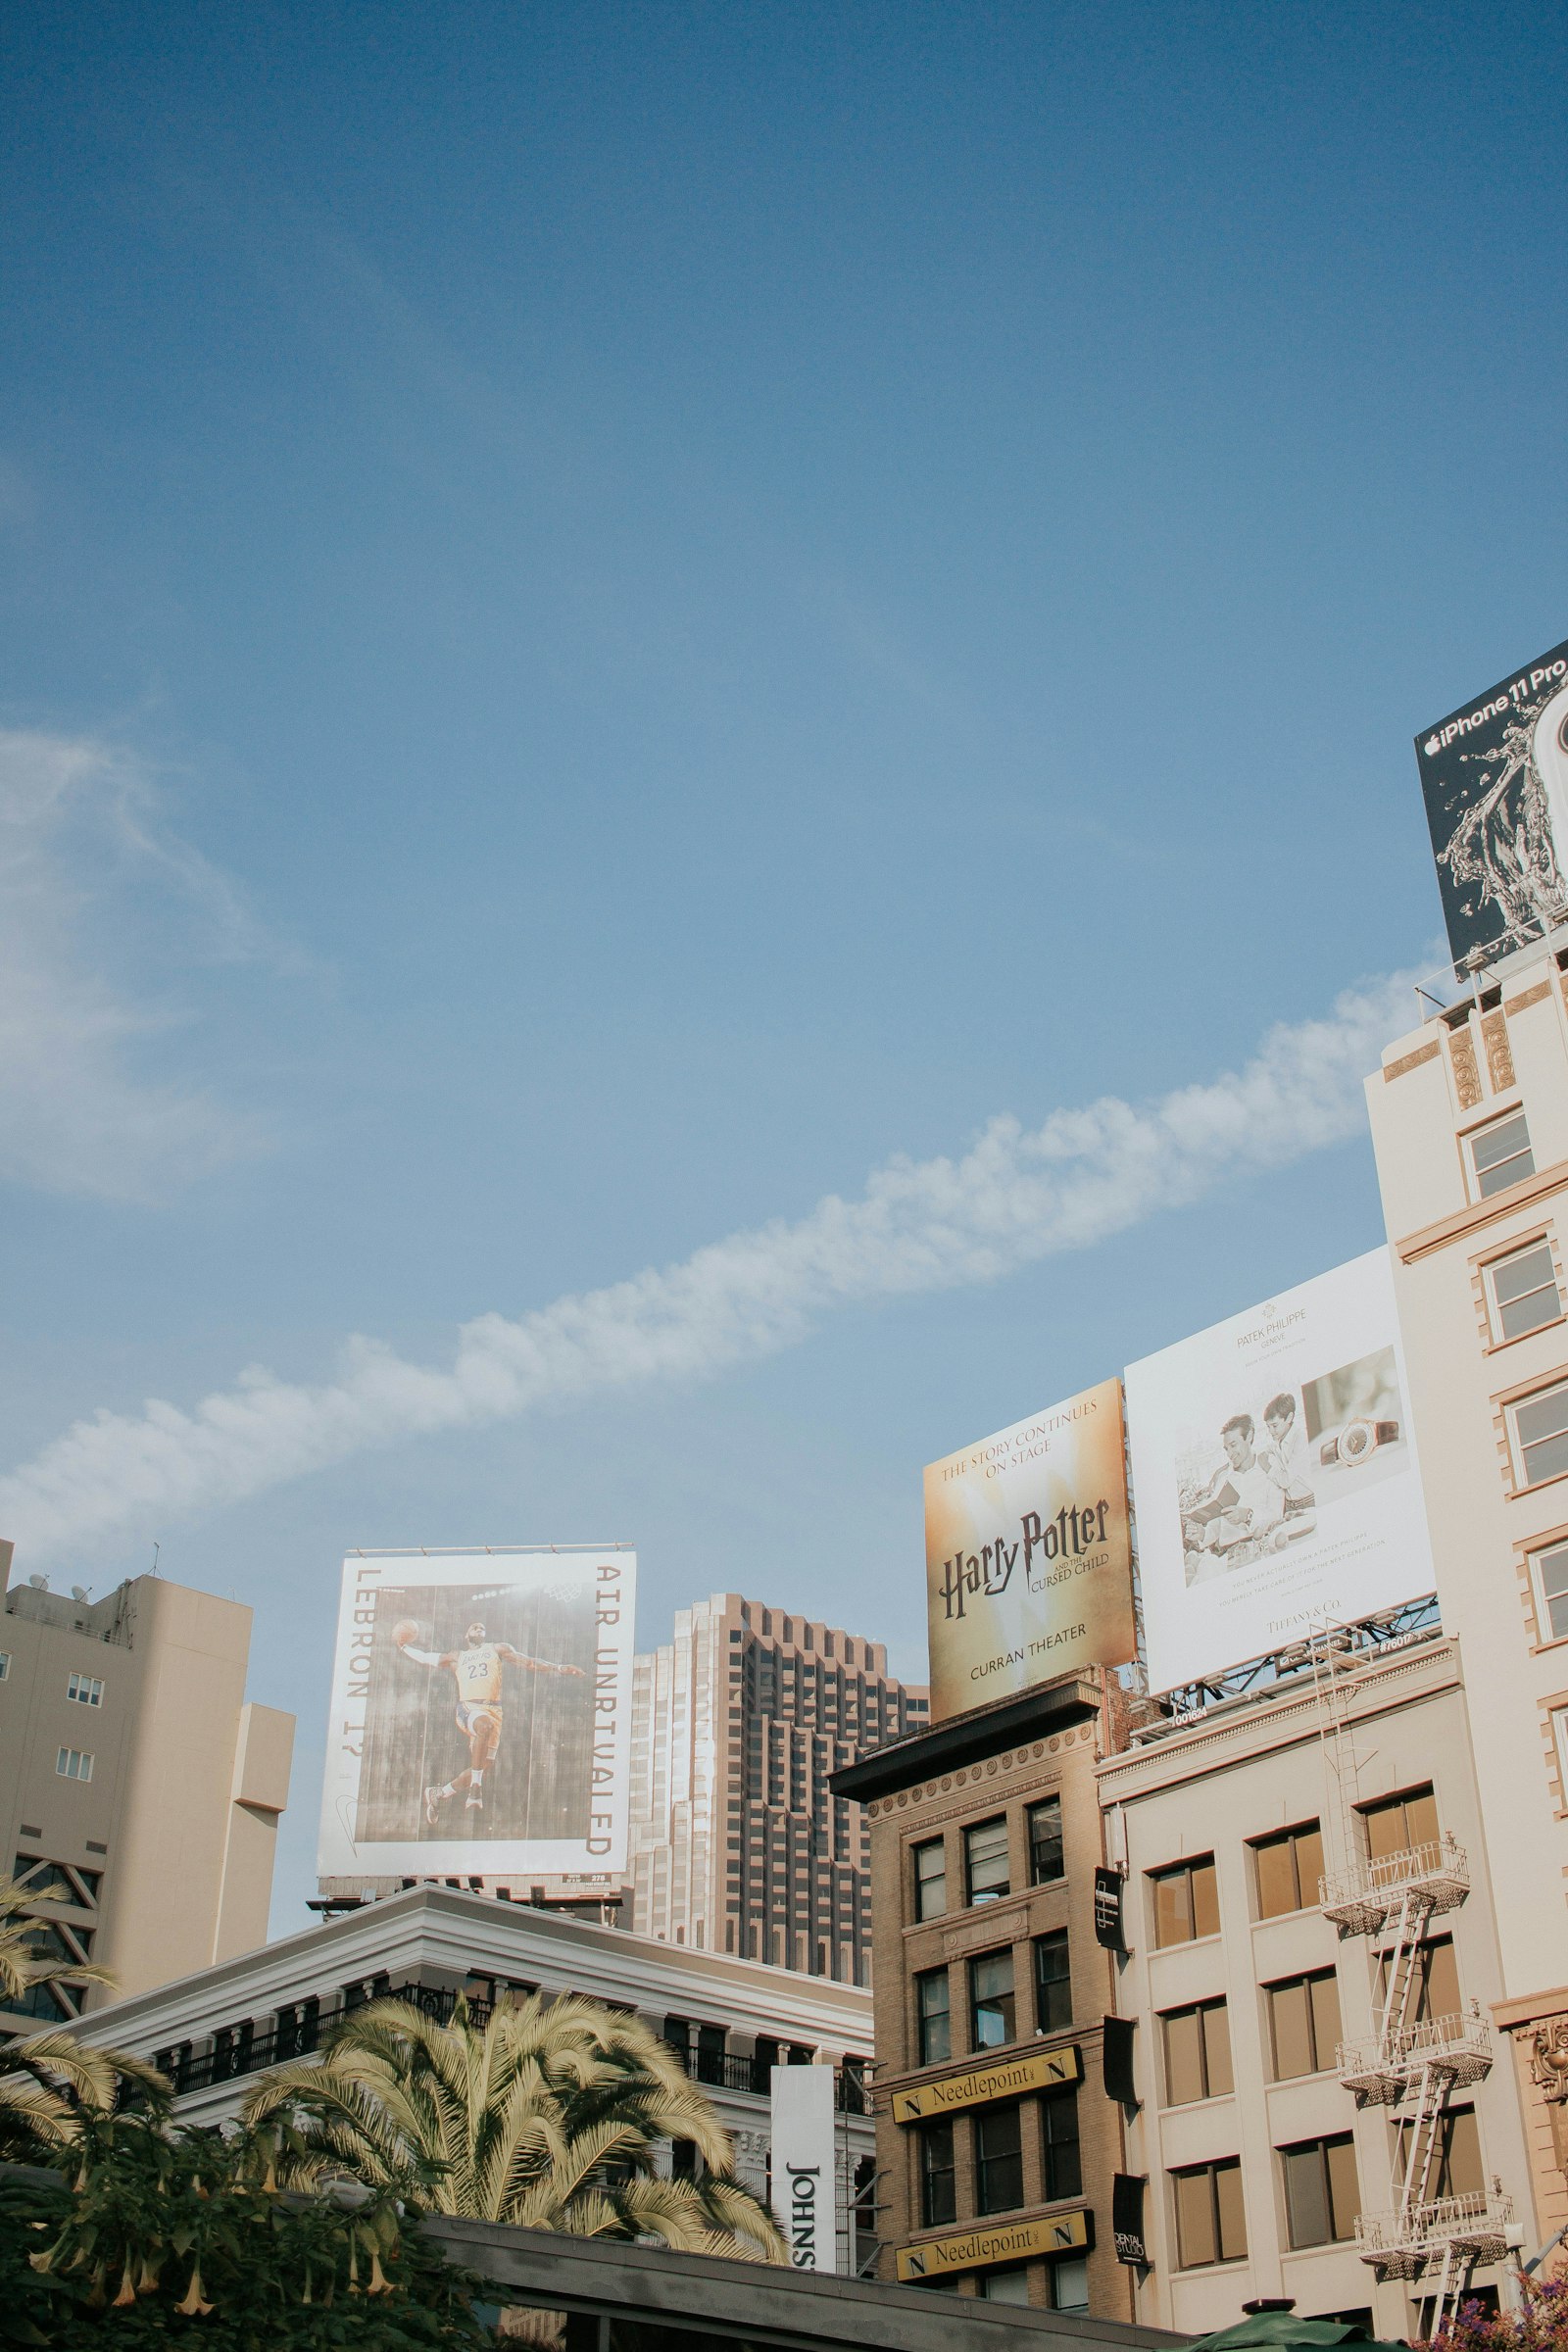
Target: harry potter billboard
column 1028, row 1554
column 1494, row 776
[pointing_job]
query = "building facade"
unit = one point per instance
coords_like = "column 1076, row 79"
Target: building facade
column 733, row 2020
column 998, row 2143
column 1312, row 1959
column 738, row 1842
column 1469, row 1118
column 140, row 1792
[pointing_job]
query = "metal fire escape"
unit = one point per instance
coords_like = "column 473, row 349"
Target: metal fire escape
column 1409, row 2063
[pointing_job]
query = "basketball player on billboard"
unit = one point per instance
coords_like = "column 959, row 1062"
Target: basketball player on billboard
column 477, row 1669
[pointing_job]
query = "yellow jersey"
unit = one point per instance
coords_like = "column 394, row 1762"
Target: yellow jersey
column 478, row 1673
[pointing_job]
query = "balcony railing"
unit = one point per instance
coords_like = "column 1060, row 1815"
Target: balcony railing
column 1381, row 2072
column 1477, row 2225
column 1364, row 1898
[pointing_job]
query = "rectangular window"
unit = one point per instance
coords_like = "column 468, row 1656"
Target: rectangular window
column 1550, row 1570
column 1540, row 1435
column 1198, row 2053
column 1523, row 1291
column 997, row 2160
column 985, row 1854
column 933, row 2020
column 1289, row 1868
column 1398, row 1825
column 1500, row 1155
column 1069, row 2284
column 930, row 1880
column 85, row 1688
column 73, row 1765
column 1303, row 2021
column 939, row 2198
column 1063, row 2162
column 1435, row 1983
column 5, row 1664
column 1211, row 2224
column 1321, row 2199
column 991, row 2002
column 1185, row 1901
column 1053, row 1982
column 1456, row 2158
column 1044, row 1842
column 1010, row 2285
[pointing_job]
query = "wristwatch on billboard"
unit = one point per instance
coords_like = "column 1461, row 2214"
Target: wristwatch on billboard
column 1358, row 1439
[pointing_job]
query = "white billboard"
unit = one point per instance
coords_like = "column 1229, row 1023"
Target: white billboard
column 1274, row 1475
column 481, row 1715
column 803, row 2174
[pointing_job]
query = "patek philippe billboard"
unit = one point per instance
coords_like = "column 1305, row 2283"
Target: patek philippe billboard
column 1028, row 1554
column 1494, row 776
column 1275, row 1476
column 481, row 1715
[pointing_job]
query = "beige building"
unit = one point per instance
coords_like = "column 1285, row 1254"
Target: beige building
column 738, row 1844
column 998, row 2144
column 1313, row 1959
column 1470, row 1127
column 140, row 1792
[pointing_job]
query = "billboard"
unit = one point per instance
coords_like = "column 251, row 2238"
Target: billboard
column 1028, row 1554
column 481, row 1714
column 1494, row 778
column 1275, row 1476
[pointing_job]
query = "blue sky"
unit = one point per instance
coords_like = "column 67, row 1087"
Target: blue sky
column 614, row 617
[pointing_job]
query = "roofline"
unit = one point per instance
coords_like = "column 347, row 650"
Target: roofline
column 967, row 1738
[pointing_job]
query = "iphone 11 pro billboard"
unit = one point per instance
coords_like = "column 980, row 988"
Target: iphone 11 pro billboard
column 1494, row 776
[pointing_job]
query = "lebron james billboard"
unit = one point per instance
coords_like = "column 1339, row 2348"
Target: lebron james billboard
column 481, row 1715
column 1028, row 1554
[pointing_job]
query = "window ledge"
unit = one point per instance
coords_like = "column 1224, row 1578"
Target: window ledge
column 1501, row 1347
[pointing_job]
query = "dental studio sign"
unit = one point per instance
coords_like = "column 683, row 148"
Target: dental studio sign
column 1029, row 1555
column 803, row 2176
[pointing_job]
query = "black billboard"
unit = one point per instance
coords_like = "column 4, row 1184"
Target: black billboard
column 1494, row 776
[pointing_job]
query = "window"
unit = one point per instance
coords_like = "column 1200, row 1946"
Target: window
column 1185, row 1901
column 87, row 1688
column 997, row 2160
column 1010, row 2285
column 1198, row 2053
column 1435, row 1981
column 930, row 1880
column 1304, row 2023
column 938, row 2200
column 5, row 1664
column 1400, row 1824
column 1321, row 2199
column 1069, row 2285
column 985, row 1853
column 933, row 2021
column 991, row 2005
column 1210, row 2223
column 73, row 1765
column 1059, row 2131
column 1541, row 1433
column 1456, row 2157
column 1523, row 1291
column 1044, row 1842
column 1551, row 1590
column 1053, row 1982
column 1289, row 1868
column 1500, row 1155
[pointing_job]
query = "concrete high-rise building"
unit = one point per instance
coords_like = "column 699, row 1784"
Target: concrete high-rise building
column 737, row 1843
column 139, row 1791
column 1470, row 1127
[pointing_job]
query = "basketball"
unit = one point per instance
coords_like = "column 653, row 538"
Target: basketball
column 404, row 1630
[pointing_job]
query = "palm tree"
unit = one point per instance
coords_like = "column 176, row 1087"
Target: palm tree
column 547, row 2118
column 48, row 2080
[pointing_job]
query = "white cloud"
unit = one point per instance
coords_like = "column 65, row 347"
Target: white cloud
column 79, row 825
column 1014, row 1198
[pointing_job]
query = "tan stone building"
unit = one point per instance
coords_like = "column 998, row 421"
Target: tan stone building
column 1470, row 1127
column 139, row 1791
column 997, row 2141
column 737, row 1843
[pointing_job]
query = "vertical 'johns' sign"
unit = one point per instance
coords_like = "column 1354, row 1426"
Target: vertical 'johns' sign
column 1028, row 1554
column 805, row 2181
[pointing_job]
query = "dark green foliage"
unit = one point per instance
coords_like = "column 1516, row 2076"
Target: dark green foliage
column 167, row 2237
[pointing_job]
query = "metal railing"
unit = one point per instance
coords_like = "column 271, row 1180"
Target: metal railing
column 1361, row 1897
column 1401, row 2243
column 1380, row 2070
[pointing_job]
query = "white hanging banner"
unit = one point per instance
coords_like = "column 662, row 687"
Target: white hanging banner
column 804, row 2196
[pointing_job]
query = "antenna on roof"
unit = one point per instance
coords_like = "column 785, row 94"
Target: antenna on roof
column 153, row 1569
